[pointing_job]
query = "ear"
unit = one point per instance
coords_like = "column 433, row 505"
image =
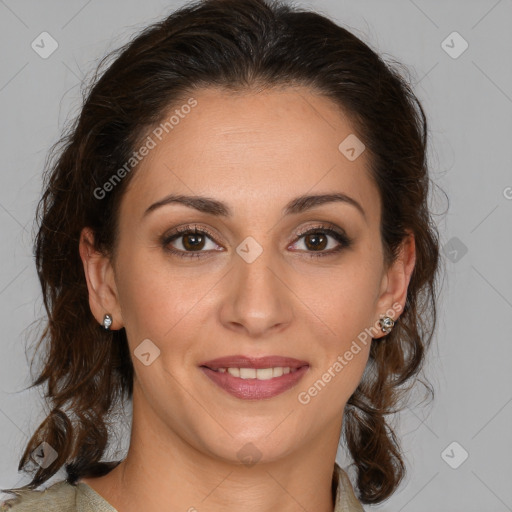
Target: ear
column 395, row 281
column 99, row 274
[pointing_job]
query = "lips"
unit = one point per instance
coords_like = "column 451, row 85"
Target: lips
column 250, row 388
column 240, row 361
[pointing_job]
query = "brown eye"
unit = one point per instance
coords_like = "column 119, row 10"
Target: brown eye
column 316, row 241
column 193, row 241
column 323, row 241
column 189, row 242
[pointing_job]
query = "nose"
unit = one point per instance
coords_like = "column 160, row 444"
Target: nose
column 257, row 299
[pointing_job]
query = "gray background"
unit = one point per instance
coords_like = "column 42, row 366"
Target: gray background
column 468, row 101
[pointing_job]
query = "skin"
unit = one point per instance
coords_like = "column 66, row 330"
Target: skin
column 254, row 152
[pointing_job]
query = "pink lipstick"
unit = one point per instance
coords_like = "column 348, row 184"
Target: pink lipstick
column 253, row 378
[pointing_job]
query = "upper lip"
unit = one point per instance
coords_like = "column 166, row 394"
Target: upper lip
column 239, row 361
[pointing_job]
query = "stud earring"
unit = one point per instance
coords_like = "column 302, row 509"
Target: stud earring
column 107, row 322
column 386, row 324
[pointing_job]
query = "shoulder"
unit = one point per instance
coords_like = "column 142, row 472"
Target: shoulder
column 59, row 497
column 346, row 499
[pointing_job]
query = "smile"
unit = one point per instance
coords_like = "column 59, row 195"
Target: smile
column 255, row 384
column 258, row 373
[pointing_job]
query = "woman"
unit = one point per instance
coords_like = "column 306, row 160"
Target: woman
column 234, row 236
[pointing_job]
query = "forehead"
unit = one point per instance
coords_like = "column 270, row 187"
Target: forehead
column 251, row 148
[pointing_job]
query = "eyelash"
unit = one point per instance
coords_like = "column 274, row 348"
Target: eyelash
column 344, row 241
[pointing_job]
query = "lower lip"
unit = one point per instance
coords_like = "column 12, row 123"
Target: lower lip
column 254, row 389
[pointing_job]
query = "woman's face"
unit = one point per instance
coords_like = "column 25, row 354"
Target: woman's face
column 252, row 286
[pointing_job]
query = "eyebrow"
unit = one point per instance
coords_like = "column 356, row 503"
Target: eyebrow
column 214, row 207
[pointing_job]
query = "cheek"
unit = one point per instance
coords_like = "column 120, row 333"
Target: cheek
column 343, row 353
column 346, row 305
column 155, row 296
column 347, row 300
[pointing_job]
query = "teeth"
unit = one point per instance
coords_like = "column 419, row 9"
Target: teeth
column 260, row 373
column 277, row 372
column 248, row 373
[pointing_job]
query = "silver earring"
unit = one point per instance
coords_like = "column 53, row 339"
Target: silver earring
column 386, row 324
column 107, row 322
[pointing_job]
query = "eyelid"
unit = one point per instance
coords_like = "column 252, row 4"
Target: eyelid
column 320, row 226
column 189, row 228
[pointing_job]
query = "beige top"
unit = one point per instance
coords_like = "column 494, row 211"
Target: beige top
column 65, row 497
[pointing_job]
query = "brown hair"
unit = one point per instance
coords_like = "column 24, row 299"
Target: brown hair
column 237, row 45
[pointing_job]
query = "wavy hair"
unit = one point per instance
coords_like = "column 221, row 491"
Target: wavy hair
column 237, row 45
